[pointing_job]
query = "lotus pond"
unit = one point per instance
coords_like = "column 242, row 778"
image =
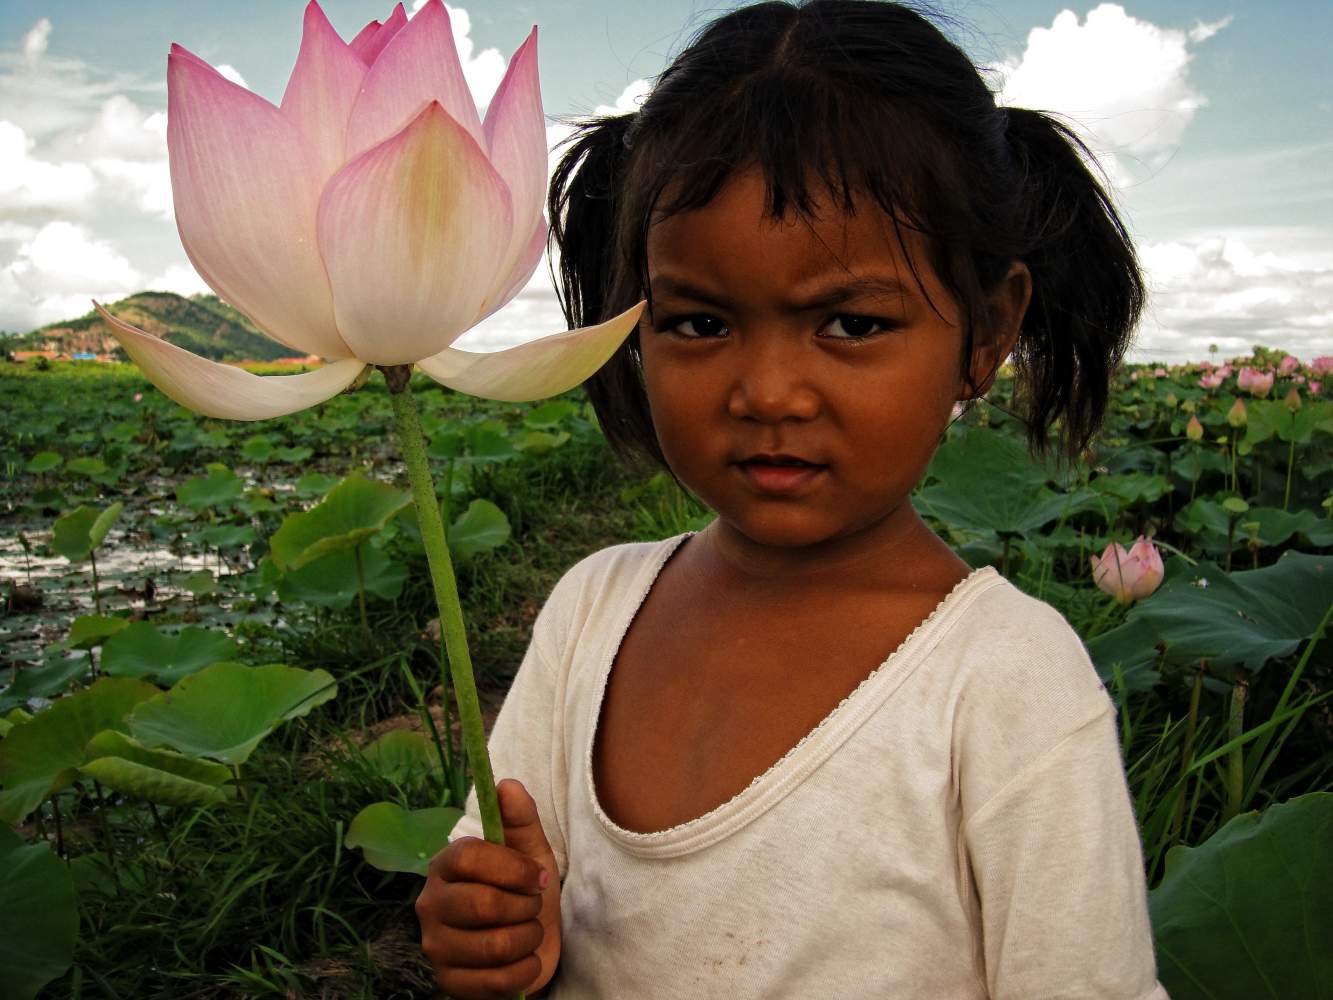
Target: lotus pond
column 226, row 754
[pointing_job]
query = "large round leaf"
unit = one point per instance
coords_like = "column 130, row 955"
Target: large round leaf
column 88, row 631
column 153, row 775
column 77, row 533
column 224, row 710
column 395, row 839
column 480, row 528
column 1247, row 914
column 219, row 488
column 1245, row 618
column 55, row 675
column 41, row 756
column 38, row 919
column 354, row 510
column 330, row 581
column 142, row 650
column 404, row 756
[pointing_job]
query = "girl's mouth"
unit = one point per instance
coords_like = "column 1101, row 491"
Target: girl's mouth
column 779, row 475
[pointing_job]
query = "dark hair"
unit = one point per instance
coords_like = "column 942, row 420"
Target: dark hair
column 868, row 97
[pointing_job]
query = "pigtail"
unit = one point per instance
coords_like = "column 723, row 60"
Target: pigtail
column 1087, row 289
column 582, row 206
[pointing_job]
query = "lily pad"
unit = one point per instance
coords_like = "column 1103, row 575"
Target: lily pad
column 224, row 711
column 77, row 533
column 480, row 528
column 394, row 839
column 1246, row 913
column 218, row 488
column 160, row 776
column 354, row 510
column 143, row 650
column 39, row 921
column 42, row 756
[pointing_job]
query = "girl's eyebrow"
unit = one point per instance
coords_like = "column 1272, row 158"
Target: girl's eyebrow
column 831, row 296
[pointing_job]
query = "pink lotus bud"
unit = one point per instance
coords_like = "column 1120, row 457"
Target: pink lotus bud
column 1159, row 372
column 1315, row 387
column 1288, row 364
column 1211, row 381
column 138, row 397
column 1194, row 429
column 1323, row 364
column 1255, row 382
column 1292, row 399
column 1236, row 416
column 1131, row 575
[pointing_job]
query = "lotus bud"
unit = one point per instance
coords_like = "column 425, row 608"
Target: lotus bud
column 1236, row 415
column 1322, row 365
column 1194, row 429
column 1131, row 575
column 1255, row 382
column 1211, row 380
column 1171, row 400
column 1292, row 400
column 1288, row 365
column 1315, row 387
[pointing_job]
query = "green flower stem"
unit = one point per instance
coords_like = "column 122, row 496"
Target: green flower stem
column 413, row 446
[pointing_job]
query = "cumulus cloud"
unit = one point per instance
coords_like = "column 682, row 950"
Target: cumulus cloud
column 1124, row 80
column 1222, row 290
column 53, row 274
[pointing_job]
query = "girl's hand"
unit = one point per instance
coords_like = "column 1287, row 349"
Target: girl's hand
column 488, row 926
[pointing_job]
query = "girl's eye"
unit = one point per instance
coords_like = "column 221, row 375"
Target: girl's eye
column 857, row 328
column 703, row 326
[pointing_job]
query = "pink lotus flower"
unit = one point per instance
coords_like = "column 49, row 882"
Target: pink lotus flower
column 138, row 397
column 1159, row 372
column 1255, row 382
column 371, row 219
column 1211, row 381
column 1315, row 387
column 1224, row 371
column 1128, row 576
column 1288, row 364
column 1323, row 364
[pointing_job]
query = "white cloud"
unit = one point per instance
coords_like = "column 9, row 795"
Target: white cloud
column 54, row 274
column 29, row 183
column 1270, row 286
column 229, row 72
column 1123, row 79
column 36, row 40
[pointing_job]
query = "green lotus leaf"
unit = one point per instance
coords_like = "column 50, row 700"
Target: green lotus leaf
column 39, row 921
column 41, row 757
column 540, row 442
column 294, row 455
column 1132, row 647
column 88, row 631
column 354, row 510
column 314, row 484
column 1246, row 914
column 225, row 710
column 43, row 461
column 1245, row 618
column 394, row 839
column 486, row 442
column 257, row 448
column 161, row 776
column 227, row 536
column 143, row 650
column 404, row 756
column 330, row 581
column 1269, row 417
column 219, row 488
column 86, row 466
column 200, row 583
column 446, row 444
column 480, row 528
column 550, row 415
column 55, row 675
column 77, row 533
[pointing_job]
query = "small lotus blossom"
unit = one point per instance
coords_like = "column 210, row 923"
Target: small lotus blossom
column 1236, row 416
column 1288, row 364
column 1194, row 429
column 1225, row 370
column 1210, row 381
column 138, row 397
column 1159, row 372
column 1255, row 382
column 1315, row 386
column 370, row 218
column 1322, row 365
column 1131, row 575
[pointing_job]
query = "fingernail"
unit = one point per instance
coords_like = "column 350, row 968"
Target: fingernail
column 543, row 879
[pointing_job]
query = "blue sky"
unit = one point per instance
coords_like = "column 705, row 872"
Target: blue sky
column 1214, row 119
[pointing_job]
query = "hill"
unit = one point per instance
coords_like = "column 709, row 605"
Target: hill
column 203, row 324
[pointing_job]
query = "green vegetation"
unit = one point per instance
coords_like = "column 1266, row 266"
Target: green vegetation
column 275, row 849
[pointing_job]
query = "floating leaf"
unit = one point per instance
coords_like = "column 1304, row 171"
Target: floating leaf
column 43, row 461
column 220, row 487
column 161, row 776
column 354, row 510
column 480, row 528
column 293, row 455
column 88, row 631
column 40, row 757
column 39, row 921
column 225, row 710
column 1243, row 914
column 85, row 466
column 54, row 676
column 540, row 442
column 394, row 839
column 143, row 650
column 257, row 448
column 80, row 531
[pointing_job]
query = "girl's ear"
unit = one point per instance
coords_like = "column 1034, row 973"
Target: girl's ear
column 1007, row 306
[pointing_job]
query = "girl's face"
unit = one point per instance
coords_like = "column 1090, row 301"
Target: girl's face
column 762, row 349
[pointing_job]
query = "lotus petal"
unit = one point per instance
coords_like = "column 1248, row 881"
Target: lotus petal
column 535, row 370
column 218, row 390
column 322, row 90
column 370, row 40
column 246, row 191
column 429, row 212
column 521, row 272
column 419, row 65
column 516, row 142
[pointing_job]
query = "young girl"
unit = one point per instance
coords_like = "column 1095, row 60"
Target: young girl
column 808, row 751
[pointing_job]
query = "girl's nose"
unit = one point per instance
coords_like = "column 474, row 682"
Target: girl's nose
column 772, row 384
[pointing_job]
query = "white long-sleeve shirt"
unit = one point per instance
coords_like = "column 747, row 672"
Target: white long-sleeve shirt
column 958, row 827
